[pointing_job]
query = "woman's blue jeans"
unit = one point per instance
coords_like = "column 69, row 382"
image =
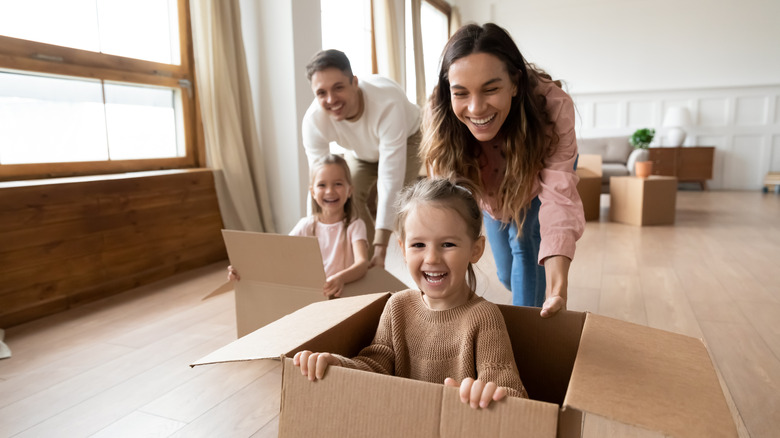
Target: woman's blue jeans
column 517, row 258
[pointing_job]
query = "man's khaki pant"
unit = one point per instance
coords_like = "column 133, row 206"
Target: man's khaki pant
column 364, row 176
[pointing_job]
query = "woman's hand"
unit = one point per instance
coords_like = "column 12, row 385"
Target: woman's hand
column 552, row 306
column 333, row 286
column 477, row 393
column 556, row 269
column 233, row 274
column 314, row 365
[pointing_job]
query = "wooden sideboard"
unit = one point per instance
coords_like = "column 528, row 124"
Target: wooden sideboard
column 688, row 163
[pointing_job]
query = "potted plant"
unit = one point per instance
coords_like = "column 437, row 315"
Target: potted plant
column 641, row 139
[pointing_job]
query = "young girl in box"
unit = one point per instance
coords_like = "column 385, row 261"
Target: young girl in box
column 444, row 332
column 340, row 233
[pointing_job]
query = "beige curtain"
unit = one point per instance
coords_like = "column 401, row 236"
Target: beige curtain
column 454, row 20
column 232, row 145
column 419, row 63
column 389, row 40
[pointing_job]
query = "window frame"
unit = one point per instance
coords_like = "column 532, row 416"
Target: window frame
column 35, row 57
column 444, row 7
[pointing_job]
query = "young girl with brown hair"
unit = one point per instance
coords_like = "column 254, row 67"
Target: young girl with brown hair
column 444, row 332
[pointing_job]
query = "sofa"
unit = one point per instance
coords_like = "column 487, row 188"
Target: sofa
column 617, row 156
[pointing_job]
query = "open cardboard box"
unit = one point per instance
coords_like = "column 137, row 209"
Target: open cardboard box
column 588, row 376
column 589, row 187
column 280, row 274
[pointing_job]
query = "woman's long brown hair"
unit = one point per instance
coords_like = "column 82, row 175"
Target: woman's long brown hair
column 448, row 148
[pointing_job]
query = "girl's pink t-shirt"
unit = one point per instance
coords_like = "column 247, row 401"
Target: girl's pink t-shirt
column 337, row 252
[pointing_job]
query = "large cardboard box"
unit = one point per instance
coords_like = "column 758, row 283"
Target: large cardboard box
column 589, row 186
column 642, row 201
column 280, row 274
column 587, row 375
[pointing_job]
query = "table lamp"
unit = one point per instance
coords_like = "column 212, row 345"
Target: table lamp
column 676, row 117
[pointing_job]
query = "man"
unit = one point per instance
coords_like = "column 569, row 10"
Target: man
column 375, row 121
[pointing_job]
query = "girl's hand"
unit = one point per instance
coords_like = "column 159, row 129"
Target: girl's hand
column 314, row 364
column 333, row 286
column 477, row 393
column 233, row 274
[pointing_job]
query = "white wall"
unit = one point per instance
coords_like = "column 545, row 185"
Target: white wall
column 625, row 61
column 629, row 45
column 279, row 38
column 741, row 122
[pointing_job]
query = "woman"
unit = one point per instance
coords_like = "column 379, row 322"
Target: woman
column 506, row 126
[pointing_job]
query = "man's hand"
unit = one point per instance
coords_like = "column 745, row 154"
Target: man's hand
column 378, row 259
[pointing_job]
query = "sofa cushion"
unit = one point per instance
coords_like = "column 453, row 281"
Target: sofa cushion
column 613, row 169
column 611, row 149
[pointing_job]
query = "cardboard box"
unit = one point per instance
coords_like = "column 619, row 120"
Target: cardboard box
column 280, row 274
column 588, row 375
column 589, row 186
column 642, row 201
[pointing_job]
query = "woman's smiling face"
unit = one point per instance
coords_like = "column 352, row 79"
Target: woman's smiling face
column 481, row 92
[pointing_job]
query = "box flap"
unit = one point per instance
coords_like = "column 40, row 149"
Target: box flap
column 375, row 280
column 587, row 173
column 275, row 258
column 354, row 403
column 654, row 379
column 294, row 331
column 589, row 165
column 551, row 342
column 259, row 303
column 512, row 417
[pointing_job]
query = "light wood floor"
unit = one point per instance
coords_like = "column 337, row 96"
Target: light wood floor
column 118, row 367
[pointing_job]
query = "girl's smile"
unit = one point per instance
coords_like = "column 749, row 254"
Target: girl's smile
column 331, row 191
column 438, row 250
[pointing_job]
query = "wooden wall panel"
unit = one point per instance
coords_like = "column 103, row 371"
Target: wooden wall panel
column 72, row 241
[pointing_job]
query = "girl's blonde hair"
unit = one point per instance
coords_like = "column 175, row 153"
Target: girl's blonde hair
column 448, row 148
column 350, row 212
column 443, row 193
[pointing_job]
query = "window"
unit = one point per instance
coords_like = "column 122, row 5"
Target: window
column 435, row 21
column 346, row 26
column 95, row 86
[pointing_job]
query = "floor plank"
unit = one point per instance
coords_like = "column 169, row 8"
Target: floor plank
column 216, row 383
column 751, row 371
column 249, row 410
column 92, row 400
column 139, row 424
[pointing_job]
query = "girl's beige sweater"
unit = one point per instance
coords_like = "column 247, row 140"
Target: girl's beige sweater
column 416, row 342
